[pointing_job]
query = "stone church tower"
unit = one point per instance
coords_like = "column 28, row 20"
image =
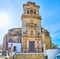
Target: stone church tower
column 31, row 41
column 31, row 28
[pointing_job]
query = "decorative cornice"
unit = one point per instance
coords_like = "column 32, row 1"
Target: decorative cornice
column 28, row 16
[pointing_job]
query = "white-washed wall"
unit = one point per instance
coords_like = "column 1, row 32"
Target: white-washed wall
column 51, row 53
column 18, row 46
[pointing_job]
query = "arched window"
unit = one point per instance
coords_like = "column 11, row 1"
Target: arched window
column 34, row 11
column 31, row 11
column 27, row 11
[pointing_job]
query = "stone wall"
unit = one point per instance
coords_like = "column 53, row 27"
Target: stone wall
column 29, row 56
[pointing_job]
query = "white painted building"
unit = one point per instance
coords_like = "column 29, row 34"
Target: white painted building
column 58, row 56
column 16, row 46
column 51, row 53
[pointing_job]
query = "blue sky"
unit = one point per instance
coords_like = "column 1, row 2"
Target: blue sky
column 13, row 9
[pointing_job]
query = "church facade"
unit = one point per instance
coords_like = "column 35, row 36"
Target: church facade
column 32, row 37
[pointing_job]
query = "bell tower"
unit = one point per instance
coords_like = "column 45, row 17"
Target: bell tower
column 31, row 28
